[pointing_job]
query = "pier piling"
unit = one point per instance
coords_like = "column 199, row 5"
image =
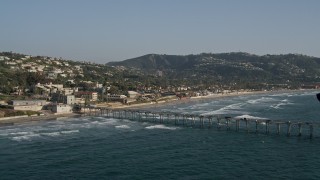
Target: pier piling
column 247, row 126
column 289, row 128
column 267, row 126
column 237, row 124
column 311, row 130
column 228, row 122
column 300, row 129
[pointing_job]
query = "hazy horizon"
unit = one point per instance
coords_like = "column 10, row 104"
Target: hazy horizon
column 103, row 31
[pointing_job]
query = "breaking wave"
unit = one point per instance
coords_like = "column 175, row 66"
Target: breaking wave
column 261, row 100
column 280, row 104
column 27, row 137
column 70, row 131
column 229, row 109
column 123, row 127
column 161, row 127
column 248, row 117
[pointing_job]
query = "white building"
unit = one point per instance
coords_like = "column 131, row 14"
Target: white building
column 65, row 99
column 133, row 94
column 69, row 99
column 62, row 108
column 28, row 102
column 25, row 105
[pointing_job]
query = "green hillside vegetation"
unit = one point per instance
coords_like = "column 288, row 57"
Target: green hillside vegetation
column 231, row 67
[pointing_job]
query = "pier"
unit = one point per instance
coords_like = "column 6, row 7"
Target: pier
column 220, row 122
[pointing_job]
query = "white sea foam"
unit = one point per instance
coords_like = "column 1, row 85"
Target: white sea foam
column 199, row 112
column 127, row 121
column 230, row 109
column 312, row 93
column 99, row 117
column 181, row 109
column 248, row 117
column 261, row 100
column 277, row 106
column 70, row 131
column 160, row 127
column 283, row 102
column 56, row 127
column 280, row 95
column 95, row 123
column 123, row 127
column 203, row 104
column 19, row 133
column 197, row 106
column 4, row 134
column 58, row 133
column 52, row 134
column 25, row 137
column 85, row 119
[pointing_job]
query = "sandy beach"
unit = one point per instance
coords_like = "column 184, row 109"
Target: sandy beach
column 7, row 122
column 178, row 101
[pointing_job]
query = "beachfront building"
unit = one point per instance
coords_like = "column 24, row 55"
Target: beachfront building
column 91, row 96
column 61, row 108
column 69, row 99
column 65, row 99
column 168, row 94
column 25, row 105
column 115, row 97
column 133, row 94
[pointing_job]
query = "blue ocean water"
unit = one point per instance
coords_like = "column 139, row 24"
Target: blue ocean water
column 106, row 148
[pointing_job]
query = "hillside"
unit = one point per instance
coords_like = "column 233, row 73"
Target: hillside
column 231, row 66
column 22, row 72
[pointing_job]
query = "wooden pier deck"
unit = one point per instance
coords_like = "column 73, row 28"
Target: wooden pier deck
column 291, row 128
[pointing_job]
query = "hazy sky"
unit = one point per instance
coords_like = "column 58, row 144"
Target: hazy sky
column 113, row 30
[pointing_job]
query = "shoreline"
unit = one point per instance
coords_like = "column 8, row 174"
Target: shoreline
column 20, row 120
column 198, row 98
column 13, row 121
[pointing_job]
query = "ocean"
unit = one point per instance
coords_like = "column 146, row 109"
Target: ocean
column 107, row 148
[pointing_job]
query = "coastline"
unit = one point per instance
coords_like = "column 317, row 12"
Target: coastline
column 179, row 101
column 48, row 117
column 199, row 98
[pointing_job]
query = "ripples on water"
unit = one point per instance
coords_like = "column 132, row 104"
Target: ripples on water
column 95, row 148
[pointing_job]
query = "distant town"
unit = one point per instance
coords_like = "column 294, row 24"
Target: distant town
column 41, row 85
